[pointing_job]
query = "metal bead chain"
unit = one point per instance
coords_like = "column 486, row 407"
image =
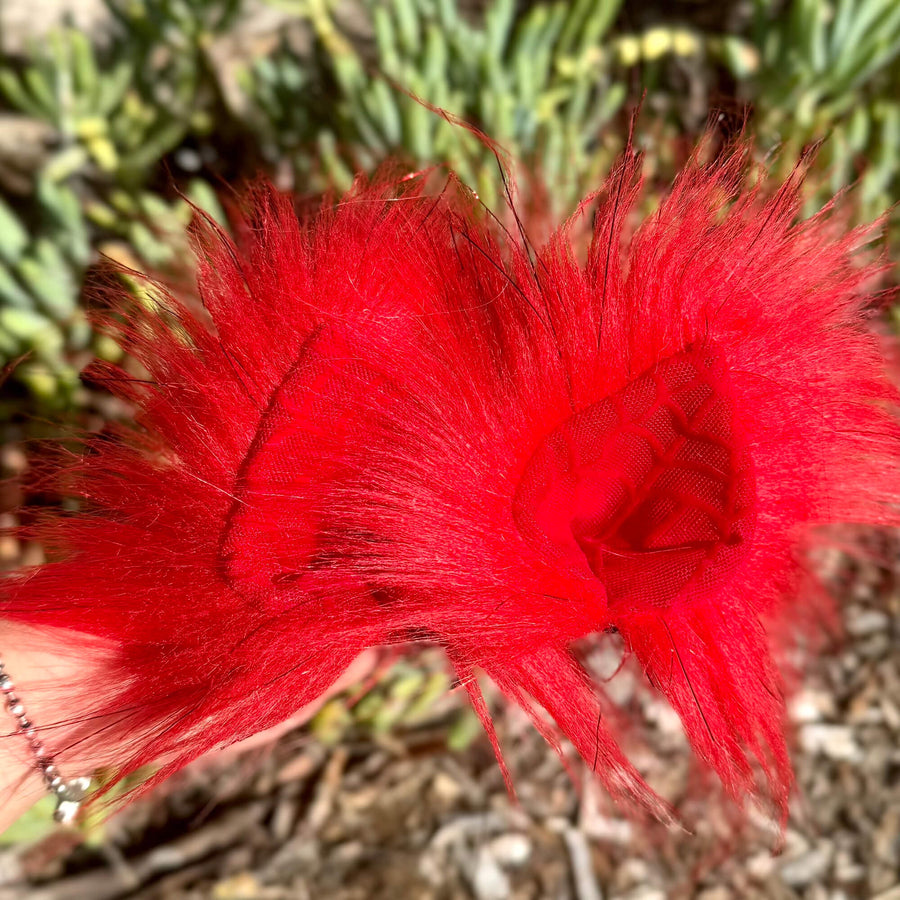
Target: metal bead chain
column 69, row 794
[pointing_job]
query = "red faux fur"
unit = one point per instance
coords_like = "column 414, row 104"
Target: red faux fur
column 398, row 421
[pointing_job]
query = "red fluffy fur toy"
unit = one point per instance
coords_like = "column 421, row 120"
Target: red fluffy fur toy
column 396, row 421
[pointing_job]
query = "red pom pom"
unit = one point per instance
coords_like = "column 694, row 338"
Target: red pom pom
column 394, row 419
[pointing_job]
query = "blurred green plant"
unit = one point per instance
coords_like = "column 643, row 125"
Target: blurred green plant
column 40, row 280
column 541, row 85
column 115, row 115
column 405, row 697
column 816, row 70
column 168, row 43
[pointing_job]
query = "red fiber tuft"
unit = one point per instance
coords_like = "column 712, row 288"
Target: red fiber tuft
column 397, row 419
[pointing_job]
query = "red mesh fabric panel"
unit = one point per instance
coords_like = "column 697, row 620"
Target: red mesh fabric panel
column 650, row 489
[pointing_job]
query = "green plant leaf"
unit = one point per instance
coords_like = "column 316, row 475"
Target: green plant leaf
column 13, row 237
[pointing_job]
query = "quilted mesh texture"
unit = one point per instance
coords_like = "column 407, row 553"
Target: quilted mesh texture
column 651, row 490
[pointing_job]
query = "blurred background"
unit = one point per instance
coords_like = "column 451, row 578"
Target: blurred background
column 115, row 115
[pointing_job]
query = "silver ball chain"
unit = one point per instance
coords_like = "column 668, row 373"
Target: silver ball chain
column 69, row 794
